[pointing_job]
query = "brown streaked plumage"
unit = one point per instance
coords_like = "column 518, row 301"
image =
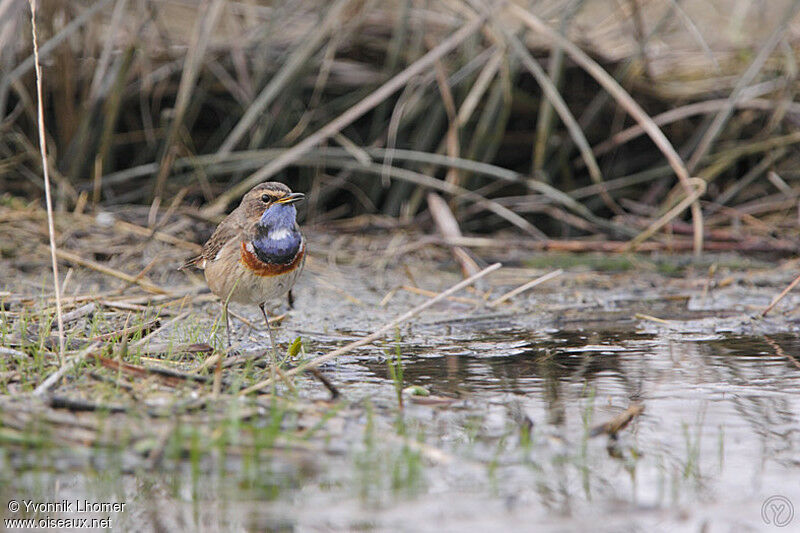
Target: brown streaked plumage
column 240, row 220
column 238, row 267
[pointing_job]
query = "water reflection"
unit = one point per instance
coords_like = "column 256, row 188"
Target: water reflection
column 719, row 434
column 721, row 414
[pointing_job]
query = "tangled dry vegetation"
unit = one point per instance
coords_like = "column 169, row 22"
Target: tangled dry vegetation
column 483, row 102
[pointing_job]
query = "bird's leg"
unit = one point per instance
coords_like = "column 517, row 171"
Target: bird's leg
column 269, row 329
column 227, row 325
column 218, row 370
column 272, row 340
column 290, row 298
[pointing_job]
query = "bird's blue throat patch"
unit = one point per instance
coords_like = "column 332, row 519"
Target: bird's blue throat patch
column 277, row 238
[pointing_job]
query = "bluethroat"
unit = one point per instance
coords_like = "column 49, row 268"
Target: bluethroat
column 257, row 252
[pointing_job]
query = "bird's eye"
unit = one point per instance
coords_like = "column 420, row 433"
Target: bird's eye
column 266, row 198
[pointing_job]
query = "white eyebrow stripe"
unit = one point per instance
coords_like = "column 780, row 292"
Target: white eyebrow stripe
column 280, row 233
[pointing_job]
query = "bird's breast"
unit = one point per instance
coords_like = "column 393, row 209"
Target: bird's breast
column 255, row 264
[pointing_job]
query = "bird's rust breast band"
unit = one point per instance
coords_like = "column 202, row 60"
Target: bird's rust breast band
column 260, row 268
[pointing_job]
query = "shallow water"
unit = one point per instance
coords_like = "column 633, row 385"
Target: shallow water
column 504, row 440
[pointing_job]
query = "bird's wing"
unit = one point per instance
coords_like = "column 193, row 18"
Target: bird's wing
column 227, row 230
column 223, row 234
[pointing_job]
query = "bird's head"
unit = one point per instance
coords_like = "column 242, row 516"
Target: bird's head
column 270, row 205
column 274, row 235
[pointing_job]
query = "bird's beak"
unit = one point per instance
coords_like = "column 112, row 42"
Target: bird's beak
column 291, row 198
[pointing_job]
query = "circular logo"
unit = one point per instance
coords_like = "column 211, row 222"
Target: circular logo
column 13, row 506
column 777, row 510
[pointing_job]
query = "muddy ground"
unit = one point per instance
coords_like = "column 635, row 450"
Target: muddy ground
column 468, row 416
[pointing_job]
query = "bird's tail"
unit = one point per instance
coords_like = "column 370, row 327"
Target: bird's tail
column 196, row 262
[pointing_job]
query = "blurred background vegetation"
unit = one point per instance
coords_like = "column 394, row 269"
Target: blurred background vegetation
column 173, row 100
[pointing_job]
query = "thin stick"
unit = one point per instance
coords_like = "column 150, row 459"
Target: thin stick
column 11, row 352
column 43, row 151
column 208, row 362
column 380, row 331
column 655, row 319
column 432, row 294
column 779, row 297
column 447, row 225
column 126, row 331
column 166, row 325
column 529, row 285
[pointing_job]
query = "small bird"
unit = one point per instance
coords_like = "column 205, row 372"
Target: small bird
column 257, row 252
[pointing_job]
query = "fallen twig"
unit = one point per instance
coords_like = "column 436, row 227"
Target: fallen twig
column 164, row 327
column 522, row 288
column 649, row 318
column 433, row 294
column 4, row 350
column 79, row 313
column 780, row 297
column 700, row 189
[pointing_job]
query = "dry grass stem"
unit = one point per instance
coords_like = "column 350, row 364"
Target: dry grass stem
column 45, row 169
